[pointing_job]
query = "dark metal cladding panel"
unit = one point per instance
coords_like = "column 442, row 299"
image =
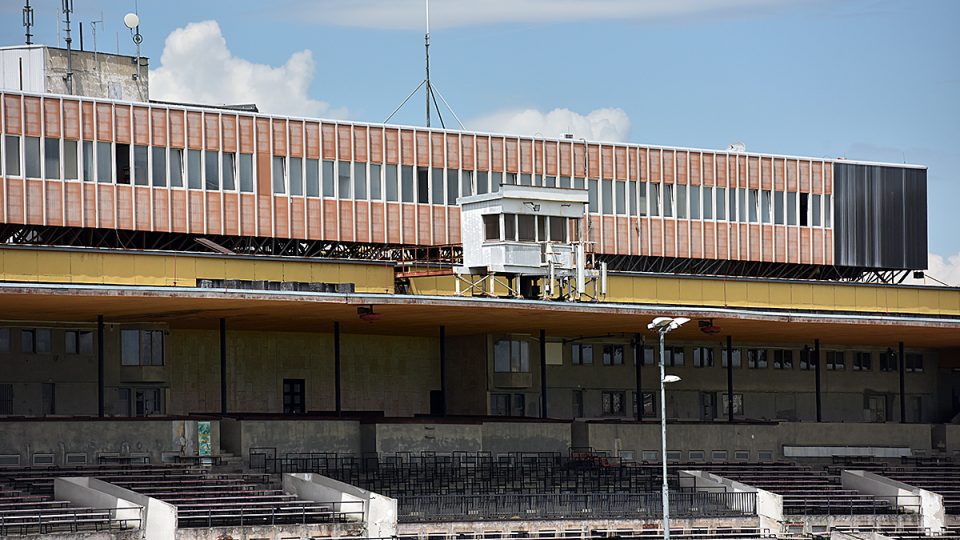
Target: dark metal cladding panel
column 880, row 216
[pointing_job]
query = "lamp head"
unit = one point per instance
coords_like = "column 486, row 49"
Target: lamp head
column 667, row 324
column 131, row 20
column 671, row 379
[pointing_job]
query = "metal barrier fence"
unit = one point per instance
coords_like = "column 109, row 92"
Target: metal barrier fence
column 859, row 505
column 572, row 506
column 67, row 519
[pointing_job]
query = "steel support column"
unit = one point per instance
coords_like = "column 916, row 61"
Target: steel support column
column 543, row 373
column 730, row 378
column 638, row 363
column 100, row 365
column 443, row 370
column 901, row 366
column 223, row 366
column 816, row 367
column 336, row 364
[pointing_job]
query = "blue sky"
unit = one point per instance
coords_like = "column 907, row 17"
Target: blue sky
column 864, row 79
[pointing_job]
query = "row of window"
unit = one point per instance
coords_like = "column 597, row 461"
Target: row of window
column 757, row 358
column 230, row 171
column 527, row 228
column 137, row 347
column 40, row 341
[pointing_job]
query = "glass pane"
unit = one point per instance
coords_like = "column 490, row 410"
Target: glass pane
column 246, row 173
column 778, row 207
column 86, row 342
column 406, row 173
column 466, row 183
column 51, row 159
column 827, row 212
column 393, row 188
column 694, row 202
column 88, row 161
column 159, row 171
column 765, row 206
column 791, row 208
column 437, row 185
column 606, row 196
column 620, row 198
column 194, row 179
column 329, row 181
column 44, row 338
column 229, row 166
column 360, row 181
column 592, row 197
column 510, row 227
column 721, row 200
column 483, row 183
column 816, row 210
column 708, row 203
column 565, row 182
column 129, row 347
column 681, row 201
column 212, row 170
column 11, row 145
column 343, row 180
column 104, row 163
column 296, row 176
column 70, row 168
column 141, row 174
column 742, row 197
column 313, row 177
column 176, row 167
column 632, row 198
column 423, row 186
column 501, row 356
column 752, row 203
column 453, row 186
column 732, row 203
column 375, row 182
column 279, row 174
column 668, row 200
column 31, row 150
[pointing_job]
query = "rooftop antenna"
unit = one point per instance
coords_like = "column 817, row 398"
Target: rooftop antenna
column 28, row 21
column 432, row 93
column 67, row 6
column 426, row 46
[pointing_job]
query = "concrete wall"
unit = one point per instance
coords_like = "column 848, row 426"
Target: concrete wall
column 91, row 437
column 102, row 75
column 159, row 519
column 749, row 437
column 291, row 435
column 379, row 512
column 495, row 437
column 904, row 496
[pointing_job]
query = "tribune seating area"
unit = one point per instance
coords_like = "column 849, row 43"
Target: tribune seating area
column 202, row 498
column 942, row 477
column 27, row 506
column 805, row 490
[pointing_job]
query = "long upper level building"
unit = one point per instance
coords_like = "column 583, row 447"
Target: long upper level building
column 86, row 171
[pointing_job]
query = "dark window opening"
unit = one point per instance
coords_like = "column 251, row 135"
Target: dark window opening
column 294, row 401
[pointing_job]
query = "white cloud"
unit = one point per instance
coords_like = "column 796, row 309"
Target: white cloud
column 945, row 269
column 610, row 124
column 197, row 67
column 409, row 14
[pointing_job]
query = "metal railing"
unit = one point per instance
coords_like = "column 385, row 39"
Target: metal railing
column 572, row 506
column 69, row 520
column 852, row 505
column 321, row 512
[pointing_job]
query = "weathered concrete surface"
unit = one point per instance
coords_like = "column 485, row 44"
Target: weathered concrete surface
column 904, row 496
column 152, row 437
column 559, row 526
column 379, row 512
column 749, row 437
column 271, row 532
column 158, row 519
column 291, row 435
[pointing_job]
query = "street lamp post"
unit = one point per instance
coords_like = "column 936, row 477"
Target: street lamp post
column 663, row 326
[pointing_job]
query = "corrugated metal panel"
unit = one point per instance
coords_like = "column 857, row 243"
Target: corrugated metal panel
column 880, row 216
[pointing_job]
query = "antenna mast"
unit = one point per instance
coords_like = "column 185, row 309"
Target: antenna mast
column 28, row 21
column 67, row 9
column 426, row 43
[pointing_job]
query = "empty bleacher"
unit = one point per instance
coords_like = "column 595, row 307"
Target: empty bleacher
column 202, row 498
column 27, row 506
column 805, row 490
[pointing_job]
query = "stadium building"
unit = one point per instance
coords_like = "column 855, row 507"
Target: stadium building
column 444, row 333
